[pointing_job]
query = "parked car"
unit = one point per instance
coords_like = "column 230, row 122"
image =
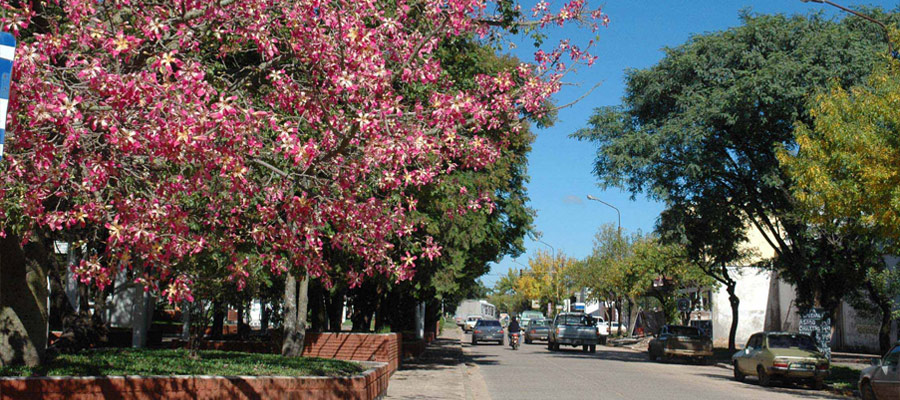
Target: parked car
column 573, row 329
column 537, row 329
column 680, row 341
column 486, row 330
column 881, row 381
column 470, row 322
column 783, row 356
column 603, row 329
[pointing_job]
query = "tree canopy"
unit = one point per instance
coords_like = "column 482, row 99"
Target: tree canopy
column 700, row 131
column 266, row 132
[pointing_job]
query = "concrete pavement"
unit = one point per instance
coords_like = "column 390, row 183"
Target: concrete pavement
column 443, row 372
column 533, row 372
column 451, row 368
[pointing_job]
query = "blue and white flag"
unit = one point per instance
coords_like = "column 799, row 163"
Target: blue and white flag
column 7, row 54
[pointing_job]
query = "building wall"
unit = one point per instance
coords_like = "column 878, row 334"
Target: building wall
column 752, row 289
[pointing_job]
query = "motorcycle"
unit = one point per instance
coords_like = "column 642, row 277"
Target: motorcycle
column 514, row 341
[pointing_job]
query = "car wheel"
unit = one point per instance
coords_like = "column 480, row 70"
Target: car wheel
column 593, row 348
column 764, row 379
column 527, row 341
column 738, row 375
column 866, row 392
column 603, row 340
column 550, row 346
column 474, row 342
column 651, row 356
column 585, row 348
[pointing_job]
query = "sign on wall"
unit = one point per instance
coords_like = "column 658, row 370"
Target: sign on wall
column 814, row 323
column 7, row 54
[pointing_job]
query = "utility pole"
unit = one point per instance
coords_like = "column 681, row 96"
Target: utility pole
column 555, row 273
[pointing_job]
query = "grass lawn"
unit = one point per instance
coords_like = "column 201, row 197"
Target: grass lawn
column 177, row 362
column 843, row 379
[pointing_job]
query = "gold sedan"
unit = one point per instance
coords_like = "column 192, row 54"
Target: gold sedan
column 783, row 356
column 680, row 341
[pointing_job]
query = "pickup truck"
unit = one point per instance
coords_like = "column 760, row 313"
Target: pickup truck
column 573, row 329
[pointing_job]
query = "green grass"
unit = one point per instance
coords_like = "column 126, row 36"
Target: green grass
column 843, row 378
column 178, row 362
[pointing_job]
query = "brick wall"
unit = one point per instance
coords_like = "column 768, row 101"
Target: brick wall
column 382, row 347
column 371, row 384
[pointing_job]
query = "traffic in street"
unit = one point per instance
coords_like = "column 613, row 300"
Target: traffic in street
column 534, row 372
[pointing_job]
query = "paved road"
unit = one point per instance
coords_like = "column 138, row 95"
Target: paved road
column 533, row 372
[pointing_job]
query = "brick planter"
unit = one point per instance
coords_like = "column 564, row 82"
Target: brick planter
column 381, row 347
column 370, row 384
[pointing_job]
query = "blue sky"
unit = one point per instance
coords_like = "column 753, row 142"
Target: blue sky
column 560, row 168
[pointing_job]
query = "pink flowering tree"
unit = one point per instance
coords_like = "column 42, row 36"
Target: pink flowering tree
column 256, row 132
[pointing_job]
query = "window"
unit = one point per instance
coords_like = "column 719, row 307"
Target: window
column 683, row 331
column 573, row 319
column 755, row 342
column 892, row 358
column 487, row 322
column 802, row 342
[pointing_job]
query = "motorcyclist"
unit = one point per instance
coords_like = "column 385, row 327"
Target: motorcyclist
column 513, row 327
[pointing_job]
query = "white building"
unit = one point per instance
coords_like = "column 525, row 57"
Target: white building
column 769, row 303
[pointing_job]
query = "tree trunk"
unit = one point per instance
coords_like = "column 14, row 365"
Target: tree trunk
column 186, row 321
column 296, row 303
column 24, row 296
column 633, row 311
column 317, row 308
column 142, row 317
column 218, row 320
column 735, row 303
column 198, row 327
column 884, row 334
column 619, row 316
column 264, row 318
column 335, row 305
column 241, row 327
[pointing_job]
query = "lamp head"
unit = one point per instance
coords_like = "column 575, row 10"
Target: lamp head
column 813, row 1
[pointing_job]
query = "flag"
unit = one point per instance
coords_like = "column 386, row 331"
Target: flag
column 7, row 54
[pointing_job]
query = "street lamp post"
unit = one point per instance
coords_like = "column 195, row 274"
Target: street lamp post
column 619, row 234
column 887, row 35
column 555, row 273
column 618, row 213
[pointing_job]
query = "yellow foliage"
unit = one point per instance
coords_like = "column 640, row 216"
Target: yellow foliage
column 847, row 165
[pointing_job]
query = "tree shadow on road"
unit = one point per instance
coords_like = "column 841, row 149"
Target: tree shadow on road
column 780, row 387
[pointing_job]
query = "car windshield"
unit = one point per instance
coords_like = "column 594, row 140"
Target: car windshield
column 485, row 322
column 573, row 319
column 684, row 331
column 801, row 342
column 539, row 322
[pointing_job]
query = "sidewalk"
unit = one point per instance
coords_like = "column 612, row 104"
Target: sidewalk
column 440, row 373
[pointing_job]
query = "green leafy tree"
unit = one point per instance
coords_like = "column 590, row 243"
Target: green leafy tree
column 638, row 266
column 703, row 126
column 711, row 238
column 845, row 169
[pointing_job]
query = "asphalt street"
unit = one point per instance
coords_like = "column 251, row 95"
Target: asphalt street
column 533, row 372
